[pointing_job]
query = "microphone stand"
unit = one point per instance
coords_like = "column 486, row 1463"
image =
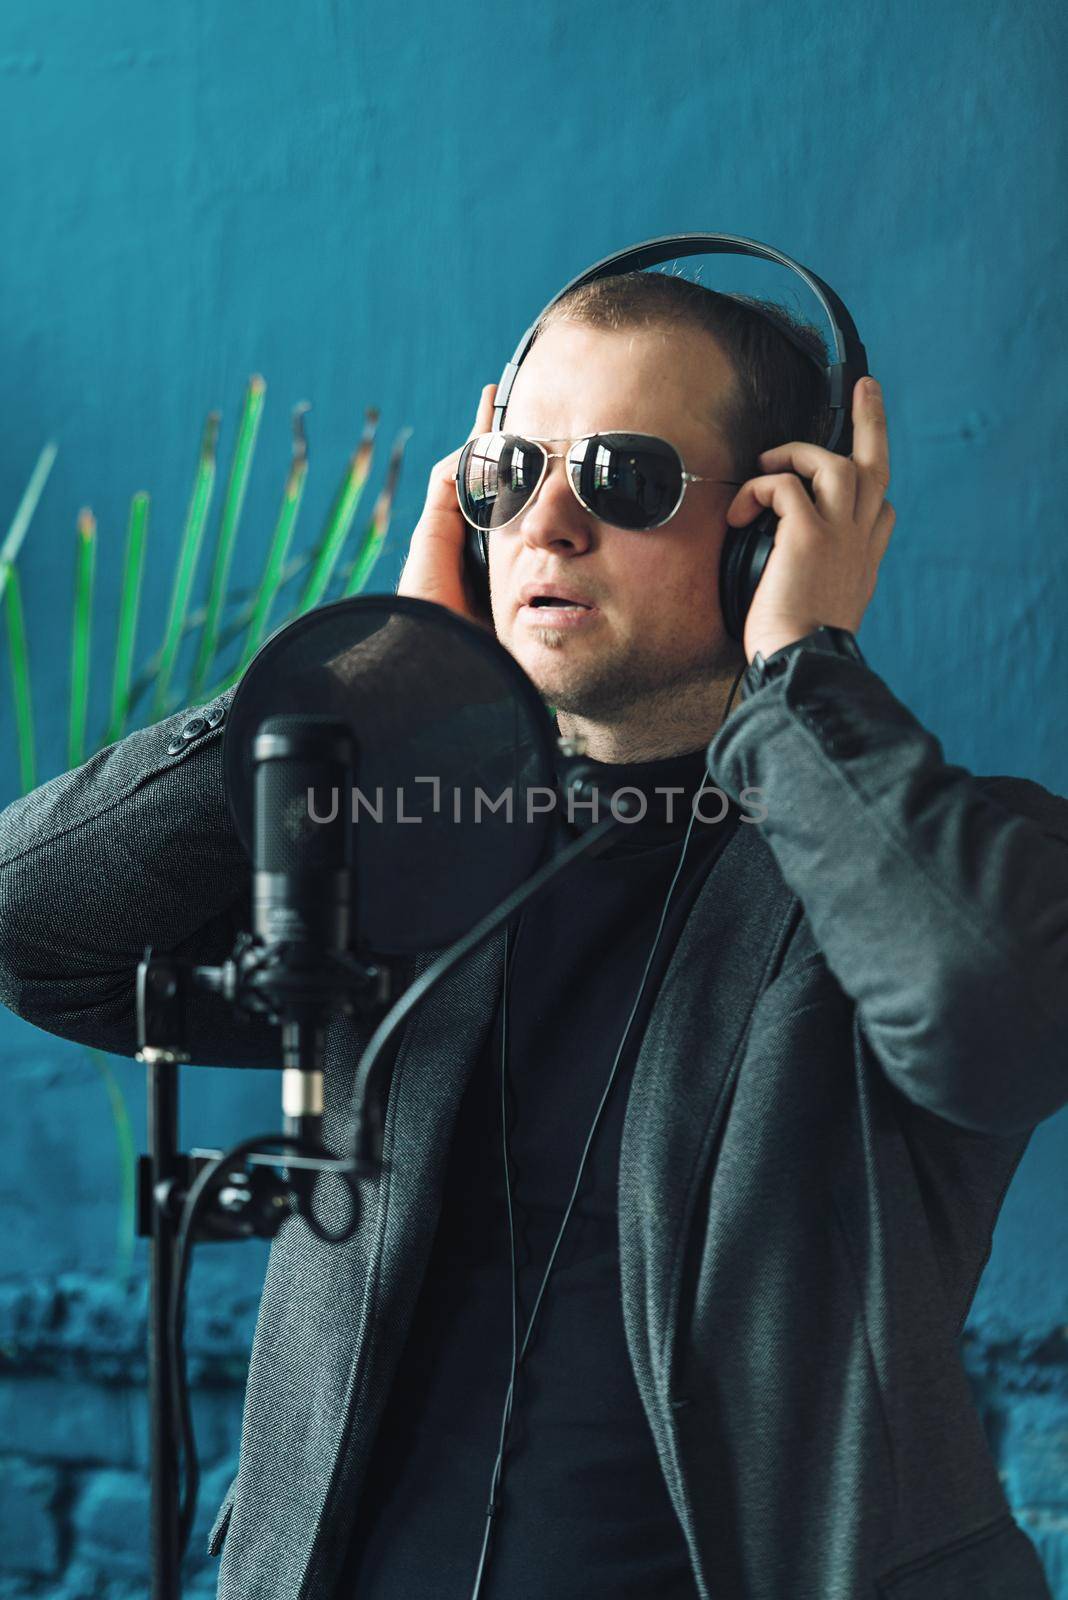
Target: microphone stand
column 247, row 1200
column 157, row 1173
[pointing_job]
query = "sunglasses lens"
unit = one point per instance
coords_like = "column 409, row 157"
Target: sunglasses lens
column 497, row 474
column 629, row 480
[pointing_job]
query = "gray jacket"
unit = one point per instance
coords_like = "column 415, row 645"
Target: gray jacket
column 865, row 1016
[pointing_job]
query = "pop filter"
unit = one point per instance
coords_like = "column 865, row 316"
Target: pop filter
column 451, row 806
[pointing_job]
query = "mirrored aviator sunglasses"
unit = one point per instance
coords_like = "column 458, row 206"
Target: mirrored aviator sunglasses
column 629, row 480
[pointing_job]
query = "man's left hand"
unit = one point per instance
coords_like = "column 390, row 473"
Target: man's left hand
column 830, row 541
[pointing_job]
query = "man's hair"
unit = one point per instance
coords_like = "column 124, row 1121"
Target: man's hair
column 780, row 394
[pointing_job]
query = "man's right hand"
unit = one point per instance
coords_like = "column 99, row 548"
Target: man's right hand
column 435, row 568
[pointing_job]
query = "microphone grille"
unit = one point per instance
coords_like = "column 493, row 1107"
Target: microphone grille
column 303, row 780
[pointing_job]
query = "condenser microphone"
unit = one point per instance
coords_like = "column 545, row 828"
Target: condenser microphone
column 303, row 770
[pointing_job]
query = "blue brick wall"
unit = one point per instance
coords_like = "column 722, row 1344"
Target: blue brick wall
column 73, row 1413
column 74, row 1470
column 367, row 204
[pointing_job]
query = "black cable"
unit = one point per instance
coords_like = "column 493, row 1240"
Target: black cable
column 727, row 708
column 506, row 1415
column 200, row 1192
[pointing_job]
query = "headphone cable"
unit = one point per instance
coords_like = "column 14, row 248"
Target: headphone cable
column 519, row 1353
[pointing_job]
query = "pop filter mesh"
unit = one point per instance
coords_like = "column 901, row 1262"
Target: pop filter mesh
column 451, row 806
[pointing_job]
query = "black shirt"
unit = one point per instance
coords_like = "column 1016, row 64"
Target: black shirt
column 584, row 1509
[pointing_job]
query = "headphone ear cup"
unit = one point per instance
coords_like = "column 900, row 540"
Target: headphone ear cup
column 476, row 565
column 475, row 545
column 742, row 561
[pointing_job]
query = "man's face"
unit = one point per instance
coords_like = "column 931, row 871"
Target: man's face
column 654, row 626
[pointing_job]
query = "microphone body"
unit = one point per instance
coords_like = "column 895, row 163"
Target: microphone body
column 302, row 888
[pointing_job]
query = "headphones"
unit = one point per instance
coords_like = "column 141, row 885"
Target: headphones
column 745, row 550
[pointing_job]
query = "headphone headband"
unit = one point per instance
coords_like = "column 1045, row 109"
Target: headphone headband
column 850, row 358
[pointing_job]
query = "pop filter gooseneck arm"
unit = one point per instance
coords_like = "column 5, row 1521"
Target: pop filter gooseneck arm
column 367, row 1124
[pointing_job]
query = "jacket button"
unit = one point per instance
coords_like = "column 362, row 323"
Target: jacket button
column 194, row 729
column 174, row 747
column 216, row 716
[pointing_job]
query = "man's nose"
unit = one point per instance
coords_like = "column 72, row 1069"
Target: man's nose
column 554, row 519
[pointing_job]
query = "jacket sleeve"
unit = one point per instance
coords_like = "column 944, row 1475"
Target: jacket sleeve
column 939, row 899
column 135, row 847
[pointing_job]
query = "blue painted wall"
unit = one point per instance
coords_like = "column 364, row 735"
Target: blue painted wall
column 367, row 204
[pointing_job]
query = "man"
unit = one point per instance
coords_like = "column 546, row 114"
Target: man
column 761, row 1096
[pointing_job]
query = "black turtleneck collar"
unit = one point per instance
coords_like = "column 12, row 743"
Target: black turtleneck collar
column 668, row 786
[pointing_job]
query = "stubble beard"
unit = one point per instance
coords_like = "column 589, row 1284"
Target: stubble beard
column 602, row 689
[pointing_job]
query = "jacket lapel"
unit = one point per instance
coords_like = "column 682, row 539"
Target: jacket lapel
column 439, row 1048
column 683, row 1077
column 442, row 1043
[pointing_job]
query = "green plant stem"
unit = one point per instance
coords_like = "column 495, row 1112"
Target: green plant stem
column 133, row 568
column 375, row 537
column 340, row 518
column 368, row 553
column 20, row 674
column 232, row 631
column 246, row 601
column 251, row 413
column 272, row 576
column 270, row 582
column 84, row 565
column 189, row 549
column 338, row 523
column 24, row 511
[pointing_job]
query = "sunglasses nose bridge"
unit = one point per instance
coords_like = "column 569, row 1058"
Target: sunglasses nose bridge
column 552, row 520
column 548, row 467
column 570, row 460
